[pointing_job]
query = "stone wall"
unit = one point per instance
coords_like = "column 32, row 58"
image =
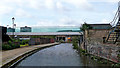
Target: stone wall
column 0, row 46
column 0, row 35
column 106, row 51
column 94, row 45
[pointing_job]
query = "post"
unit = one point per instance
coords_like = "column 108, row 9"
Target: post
column 13, row 25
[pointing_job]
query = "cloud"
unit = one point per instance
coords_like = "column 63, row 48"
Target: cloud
column 63, row 21
column 49, row 4
column 78, row 3
column 104, row 21
column 5, row 10
column 45, row 23
column 59, row 5
column 110, row 1
column 20, row 24
column 22, row 13
column 72, row 8
column 0, row 23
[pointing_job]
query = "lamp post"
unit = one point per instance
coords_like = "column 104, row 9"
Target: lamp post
column 13, row 25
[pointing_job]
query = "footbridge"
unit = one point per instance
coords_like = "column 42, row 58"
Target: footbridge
column 59, row 35
column 44, row 33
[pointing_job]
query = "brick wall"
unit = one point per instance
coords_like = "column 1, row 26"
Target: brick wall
column 96, row 35
column 37, row 41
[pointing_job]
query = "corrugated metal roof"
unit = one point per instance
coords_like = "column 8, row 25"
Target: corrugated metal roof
column 45, row 33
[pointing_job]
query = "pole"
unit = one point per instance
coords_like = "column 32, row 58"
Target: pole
column 13, row 25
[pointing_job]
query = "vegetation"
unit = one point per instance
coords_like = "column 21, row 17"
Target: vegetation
column 43, row 36
column 17, row 43
column 24, row 45
column 61, row 41
column 75, row 42
column 14, row 43
column 82, row 51
column 6, row 47
column 75, row 46
column 119, row 56
column 85, row 26
column 23, row 42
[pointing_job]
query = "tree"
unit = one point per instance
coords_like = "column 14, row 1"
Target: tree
column 85, row 26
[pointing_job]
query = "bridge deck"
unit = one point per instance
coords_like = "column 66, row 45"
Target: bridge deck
column 45, row 33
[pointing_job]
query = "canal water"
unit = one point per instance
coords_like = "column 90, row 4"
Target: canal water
column 59, row 55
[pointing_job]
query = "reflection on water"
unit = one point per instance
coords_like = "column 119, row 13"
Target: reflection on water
column 59, row 55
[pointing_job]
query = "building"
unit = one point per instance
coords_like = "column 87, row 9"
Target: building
column 10, row 29
column 25, row 29
column 3, row 34
column 100, row 26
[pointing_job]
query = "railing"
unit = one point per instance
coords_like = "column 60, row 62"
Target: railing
column 113, row 23
column 113, row 30
column 117, row 35
column 115, row 18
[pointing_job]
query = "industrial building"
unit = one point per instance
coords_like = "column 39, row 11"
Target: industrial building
column 25, row 29
column 10, row 29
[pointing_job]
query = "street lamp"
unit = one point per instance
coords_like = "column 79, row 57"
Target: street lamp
column 7, row 26
column 13, row 25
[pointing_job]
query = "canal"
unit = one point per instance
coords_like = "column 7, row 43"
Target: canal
column 59, row 55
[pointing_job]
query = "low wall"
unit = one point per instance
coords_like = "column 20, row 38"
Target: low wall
column 37, row 41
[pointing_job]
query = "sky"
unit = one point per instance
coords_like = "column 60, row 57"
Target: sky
column 56, row 12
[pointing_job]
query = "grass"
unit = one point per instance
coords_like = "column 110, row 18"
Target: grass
column 24, row 45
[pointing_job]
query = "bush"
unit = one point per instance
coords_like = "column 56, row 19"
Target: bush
column 75, row 46
column 6, row 47
column 10, row 43
column 15, row 46
column 82, row 51
column 118, row 56
column 24, row 42
column 61, row 41
column 75, row 42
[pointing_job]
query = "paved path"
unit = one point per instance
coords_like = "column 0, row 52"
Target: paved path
column 9, row 55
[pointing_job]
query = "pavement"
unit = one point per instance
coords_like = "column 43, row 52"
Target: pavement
column 9, row 55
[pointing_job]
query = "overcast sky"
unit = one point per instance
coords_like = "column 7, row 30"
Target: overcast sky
column 56, row 12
